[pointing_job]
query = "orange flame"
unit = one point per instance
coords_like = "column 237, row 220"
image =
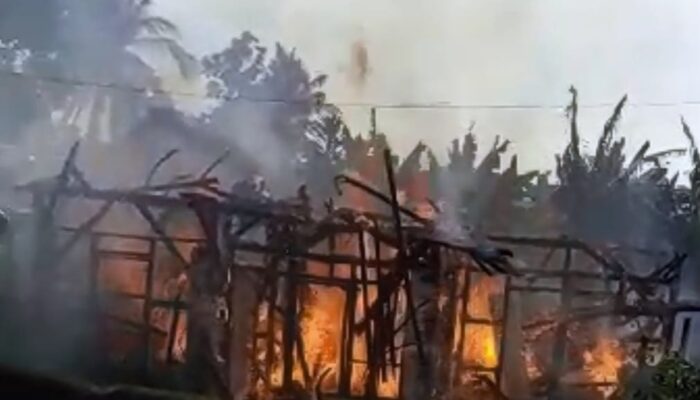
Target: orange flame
column 603, row 362
column 481, row 347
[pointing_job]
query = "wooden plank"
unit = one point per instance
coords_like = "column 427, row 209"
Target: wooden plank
column 160, row 232
column 172, row 332
column 348, row 336
column 289, row 325
column 272, row 282
column 401, row 255
column 110, row 254
column 371, row 384
column 504, row 334
column 560, row 335
column 82, row 230
column 685, row 334
column 148, row 304
column 464, row 315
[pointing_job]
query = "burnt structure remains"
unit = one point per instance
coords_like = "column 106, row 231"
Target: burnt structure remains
column 242, row 296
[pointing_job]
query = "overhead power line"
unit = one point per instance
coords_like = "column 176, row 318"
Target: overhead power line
column 438, row 105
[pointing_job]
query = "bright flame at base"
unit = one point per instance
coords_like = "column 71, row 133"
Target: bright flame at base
column 480, row 346
column 603, row 362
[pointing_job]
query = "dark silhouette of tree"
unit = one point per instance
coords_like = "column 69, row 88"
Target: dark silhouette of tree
column 106, row 43
column 325, row 154
column 601, row 197
column 266, row 103
column 486, row 196
column 100, row 41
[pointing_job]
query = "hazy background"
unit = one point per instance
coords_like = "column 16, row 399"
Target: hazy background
column 480, row 53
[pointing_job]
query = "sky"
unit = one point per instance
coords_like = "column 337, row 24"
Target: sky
column 481, row 52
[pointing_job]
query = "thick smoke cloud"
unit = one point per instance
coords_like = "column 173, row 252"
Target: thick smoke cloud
column 483, row 52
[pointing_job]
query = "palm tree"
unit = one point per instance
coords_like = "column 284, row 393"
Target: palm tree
column 602, row 198
column 265, row 105
column 325, row 153
column 107, row 43
column 486, row 196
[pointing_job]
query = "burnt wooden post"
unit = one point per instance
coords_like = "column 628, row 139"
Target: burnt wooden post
column 93, row 273
column 463, row 315
column 43, row 242
column 44, row 205
column 401, row 253
column 685, row 334
column 371, row 386
column 450, row 321
column 504, row 333
column 148, row 305
column 347, row 340
column 331, row 251
column 93, row 298
column 642, row 353
column 272, row 287
column 668, row 321
column 290, row 328
column 172, row 332
column 559, row 348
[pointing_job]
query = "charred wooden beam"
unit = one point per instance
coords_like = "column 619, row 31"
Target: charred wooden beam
column 560, row 336
column 215, row 163
column 172, row 332
column 370, row 327
column 549, row 289
column 306, row 277
column 562, row 243
column 504, row 335
column 325, row 258
column 135, row 236
column 658, row 310
column 344, row 179
column 347, row 339
column 464, row 314
column 82, row 230
column 401, row 254
column 148, row 304
column 162, row 235
column 137, row 326
column 685, row 334
column 167, row 156
column 271, row 288
column 289, row 326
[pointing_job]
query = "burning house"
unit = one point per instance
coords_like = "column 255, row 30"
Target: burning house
column 237, row 295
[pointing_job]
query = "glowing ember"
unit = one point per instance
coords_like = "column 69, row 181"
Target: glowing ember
column 532, row 368
column 603, row 362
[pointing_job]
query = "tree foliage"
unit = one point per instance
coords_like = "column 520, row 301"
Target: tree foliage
column 601, row 196
column 672, row 379
column 100, row 41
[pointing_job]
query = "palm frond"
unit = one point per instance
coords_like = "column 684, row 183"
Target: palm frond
column 605, row 140
column 411, row 165
column 637, row 160
column 666, row 154
column 572, row 112
column 689, row 134
column 673, row 180
column 695, row 171
column 159, row 26
column 187, row 64
column 318, row 81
